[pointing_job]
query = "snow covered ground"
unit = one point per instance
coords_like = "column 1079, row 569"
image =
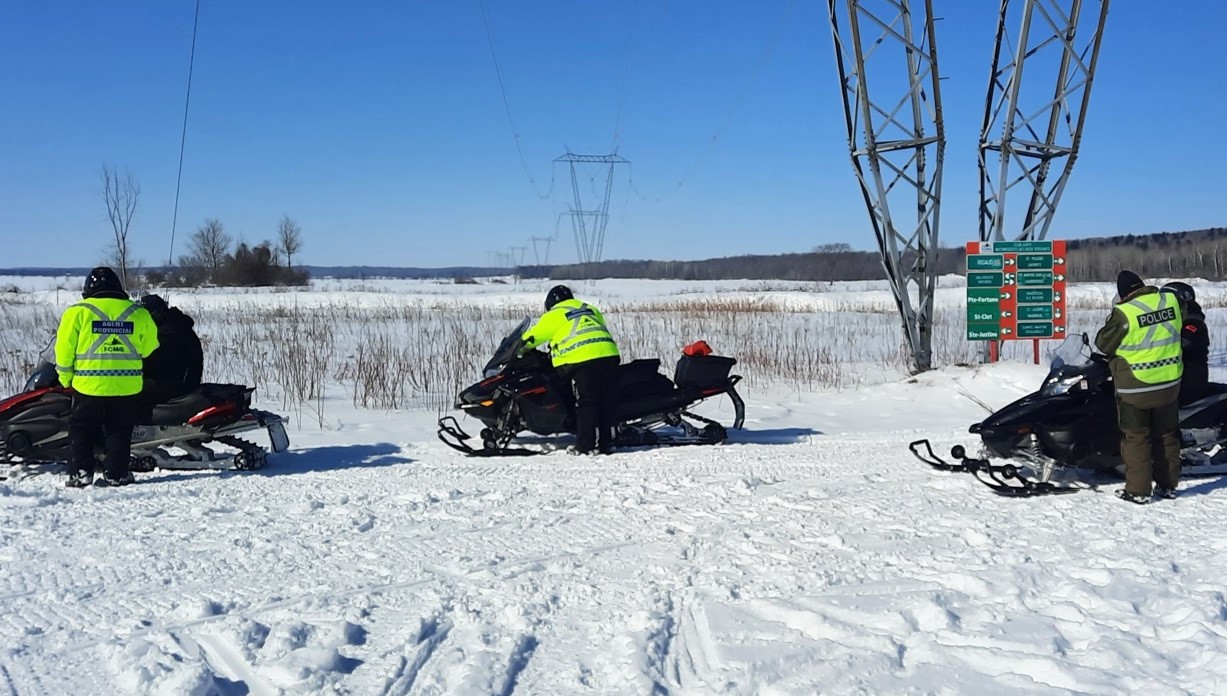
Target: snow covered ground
column 810, row 554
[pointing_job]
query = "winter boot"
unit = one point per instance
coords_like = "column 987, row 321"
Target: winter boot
column 115, row 482
column 79, row 479
column 1165, row 493
column 1132, row 497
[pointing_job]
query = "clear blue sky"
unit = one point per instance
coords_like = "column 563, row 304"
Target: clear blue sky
column 380, row 127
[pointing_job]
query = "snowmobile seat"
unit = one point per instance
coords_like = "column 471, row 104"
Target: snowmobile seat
column 702, row 370
column 179, row 409
column 637, row 371
column 640, row 377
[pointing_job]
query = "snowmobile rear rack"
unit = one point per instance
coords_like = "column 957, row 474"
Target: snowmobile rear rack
column 1003, row 479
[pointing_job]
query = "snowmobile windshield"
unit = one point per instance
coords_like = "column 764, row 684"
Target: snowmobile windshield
column 507, row 348
column 1068, row 366
column 43, row 376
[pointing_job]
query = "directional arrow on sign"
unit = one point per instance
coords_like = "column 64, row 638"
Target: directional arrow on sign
column 1005, row 295
column 1058, row 260
column 1006, row 330
column 1009, row 260
column 1009, row 280
column 1056, row 297
column 1006, row 314
column 1058, row 313
column 1058, row 277
column 1059, row 329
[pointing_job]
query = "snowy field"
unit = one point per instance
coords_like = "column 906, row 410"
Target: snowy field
column 810, row 554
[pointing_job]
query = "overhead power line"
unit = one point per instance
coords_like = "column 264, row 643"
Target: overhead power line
column 507, row 108
column 191, row 64
column 729, row 112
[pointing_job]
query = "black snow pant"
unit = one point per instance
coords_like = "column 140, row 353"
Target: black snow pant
column 595, row 385
column 101, row 421
column 1150, row 440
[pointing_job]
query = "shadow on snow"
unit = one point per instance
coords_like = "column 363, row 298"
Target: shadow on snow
column 771, row 436
column 302, row 461
column 333, row 458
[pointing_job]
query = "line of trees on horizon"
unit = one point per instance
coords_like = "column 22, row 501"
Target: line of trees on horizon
column 1192, row 254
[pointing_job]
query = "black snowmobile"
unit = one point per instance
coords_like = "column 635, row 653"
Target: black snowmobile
column 34, row 427
column 1068, row 428
column 526, row 394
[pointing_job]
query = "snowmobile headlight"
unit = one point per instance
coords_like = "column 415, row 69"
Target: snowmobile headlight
column 1061, row 385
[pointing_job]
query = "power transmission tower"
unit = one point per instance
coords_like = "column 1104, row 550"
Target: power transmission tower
column 589, row 224
column 516, row 255
column 541, row 259
column 1031, row 131
column 896, row 138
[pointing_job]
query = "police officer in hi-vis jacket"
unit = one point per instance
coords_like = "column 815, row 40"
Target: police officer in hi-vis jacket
column 99, row 352
column 1142, row 337
column 584, row 352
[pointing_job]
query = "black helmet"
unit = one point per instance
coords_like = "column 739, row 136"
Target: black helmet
column 101, row 280
column 1182, row 290
column 155, row 304
column 557, row 294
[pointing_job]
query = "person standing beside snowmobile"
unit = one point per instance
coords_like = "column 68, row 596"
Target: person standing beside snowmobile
column 1142, row 338
column 1195, row 342
column 583, row 351
column 176, row 367
column 100, row 347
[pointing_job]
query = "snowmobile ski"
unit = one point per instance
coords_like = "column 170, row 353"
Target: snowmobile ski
column 455, row 437
column 1007, row 480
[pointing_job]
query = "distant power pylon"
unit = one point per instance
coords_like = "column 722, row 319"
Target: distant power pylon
column 589, row 224
column 896, row 144
column 1031, row 131
column 516, row 255
column 541, row 259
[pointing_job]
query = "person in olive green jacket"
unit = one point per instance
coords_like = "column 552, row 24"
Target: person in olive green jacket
column 1142, row 338
column 100, row 349
column 583, row 351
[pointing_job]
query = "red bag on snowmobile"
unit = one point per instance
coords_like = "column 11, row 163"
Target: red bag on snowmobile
column 697, row 348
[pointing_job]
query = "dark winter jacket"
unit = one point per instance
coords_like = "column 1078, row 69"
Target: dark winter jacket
column 177, row 365
column 1195, row 340
column 1109, row 339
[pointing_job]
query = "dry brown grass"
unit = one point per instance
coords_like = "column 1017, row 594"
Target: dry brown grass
column 391, row 351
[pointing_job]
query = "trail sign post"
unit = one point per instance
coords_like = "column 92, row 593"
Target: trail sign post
column 1015, row 290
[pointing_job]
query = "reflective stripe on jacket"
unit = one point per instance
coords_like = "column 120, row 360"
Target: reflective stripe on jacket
column 101, row 345
column 575, row 331
column 1151, row 346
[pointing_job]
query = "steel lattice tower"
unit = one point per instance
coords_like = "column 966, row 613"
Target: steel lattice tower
column 896, row 145
column 589, row 225
column 1031, row 132
column 539, row 258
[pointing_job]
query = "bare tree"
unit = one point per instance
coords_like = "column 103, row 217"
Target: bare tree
column 121, row 193
column 289, row 239
column 209, row 245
